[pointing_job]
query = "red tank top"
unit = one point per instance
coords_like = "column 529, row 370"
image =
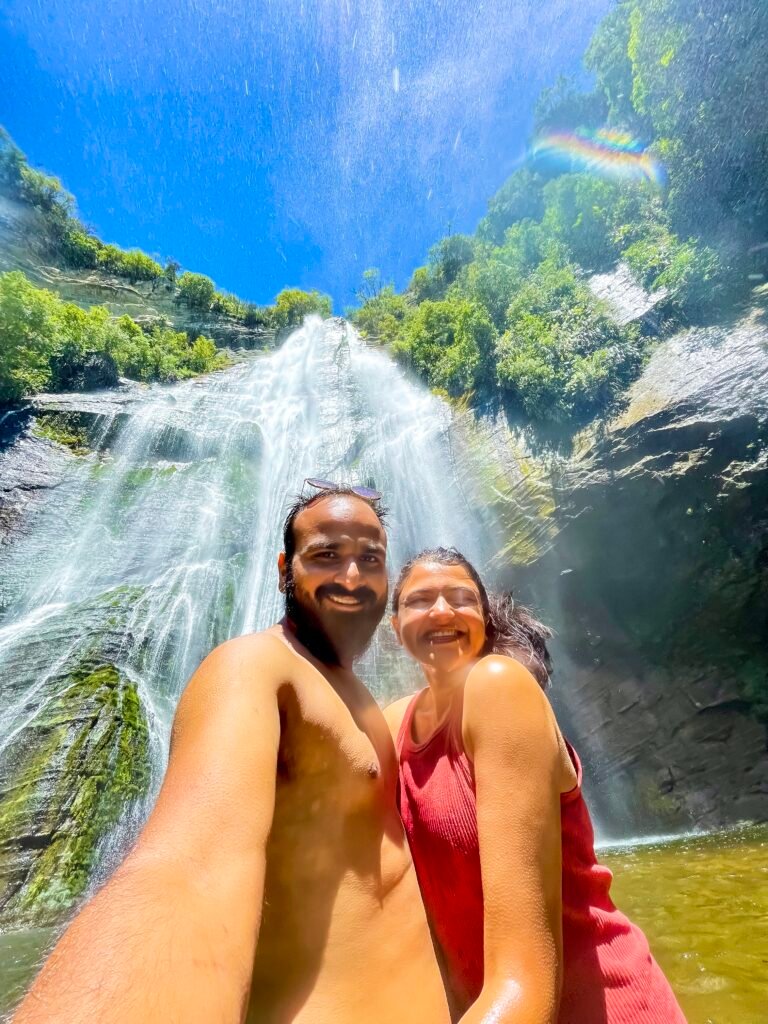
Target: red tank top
column 609, row 975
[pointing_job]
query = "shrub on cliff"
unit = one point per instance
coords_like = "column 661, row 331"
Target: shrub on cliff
column 693, row 273
column 30, row 333
column 49, row 344
column 562, row 359
column 448, row 343
column 161, row 353
column 293, row 304
column 382, row 315
column 197, row 291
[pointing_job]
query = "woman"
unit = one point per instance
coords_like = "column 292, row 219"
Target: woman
column 490, row 796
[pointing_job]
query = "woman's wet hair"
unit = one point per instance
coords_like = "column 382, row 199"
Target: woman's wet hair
column 510, row 628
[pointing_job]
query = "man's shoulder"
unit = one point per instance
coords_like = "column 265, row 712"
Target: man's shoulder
column 267, row 642
column 260, row 661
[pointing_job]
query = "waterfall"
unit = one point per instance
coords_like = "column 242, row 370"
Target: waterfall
column 164, row 542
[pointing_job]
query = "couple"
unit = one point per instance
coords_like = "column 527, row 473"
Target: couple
column 273, row 882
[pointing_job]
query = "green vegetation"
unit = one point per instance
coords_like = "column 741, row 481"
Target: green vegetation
column 88, row 762
column 68, row 242
column 63, row 429
column 689, row 78
column 46, row 343
column 293, row 304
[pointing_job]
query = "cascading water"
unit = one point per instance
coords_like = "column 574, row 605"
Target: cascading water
column 164, row 543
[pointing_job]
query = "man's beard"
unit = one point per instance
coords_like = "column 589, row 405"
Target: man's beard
column 308, row 627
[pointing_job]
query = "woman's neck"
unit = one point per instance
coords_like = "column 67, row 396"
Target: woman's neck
column 443, row 685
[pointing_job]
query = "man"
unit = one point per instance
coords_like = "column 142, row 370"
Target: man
column 272, row 882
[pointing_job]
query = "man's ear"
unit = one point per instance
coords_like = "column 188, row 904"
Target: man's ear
column 396, row 627
column 281, row 567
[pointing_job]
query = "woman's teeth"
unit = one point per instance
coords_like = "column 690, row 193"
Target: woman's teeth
column 443, row 634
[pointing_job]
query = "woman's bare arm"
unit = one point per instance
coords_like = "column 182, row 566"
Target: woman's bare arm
column 511, row 736
column 172, row 935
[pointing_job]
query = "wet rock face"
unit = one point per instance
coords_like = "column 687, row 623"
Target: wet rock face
column 659, row 579
column 30, row 467
column 74, row 759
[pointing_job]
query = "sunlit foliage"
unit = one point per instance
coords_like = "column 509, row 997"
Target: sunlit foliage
column 46, row 343
column 449, row 343
column 197, row 291
column 293, row 304
column 689, row 78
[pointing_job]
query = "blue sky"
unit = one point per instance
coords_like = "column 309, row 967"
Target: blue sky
column 277, row 142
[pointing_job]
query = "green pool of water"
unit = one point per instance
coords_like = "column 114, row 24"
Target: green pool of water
column 702, row 901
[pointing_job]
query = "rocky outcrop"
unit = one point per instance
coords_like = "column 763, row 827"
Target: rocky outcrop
column 74, row 756
column 658, row 584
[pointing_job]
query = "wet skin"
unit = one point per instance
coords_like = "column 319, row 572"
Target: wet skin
column 272, row 882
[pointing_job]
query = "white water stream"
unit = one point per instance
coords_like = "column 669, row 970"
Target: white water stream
column 184, row 505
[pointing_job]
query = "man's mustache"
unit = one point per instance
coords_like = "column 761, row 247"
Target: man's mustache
column 362, row 594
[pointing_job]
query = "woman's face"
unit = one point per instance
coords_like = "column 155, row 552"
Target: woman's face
column 439, row 618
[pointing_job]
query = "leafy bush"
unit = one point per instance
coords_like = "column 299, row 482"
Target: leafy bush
column 381, row 317
column 448, row 256
column 563, row 359
column 258, row 316
column 519, row 198
column 691, row 272
column 578, row 213
column 47, row 343
column 293, row 304
column 29, row 335
column 449, row 343
column 161, row 353
column 228, row 305
column 197, row 291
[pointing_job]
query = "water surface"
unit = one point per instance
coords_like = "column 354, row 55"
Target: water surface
column 702, row 901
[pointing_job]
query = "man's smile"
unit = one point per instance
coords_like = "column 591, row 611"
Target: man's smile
column 345, row 600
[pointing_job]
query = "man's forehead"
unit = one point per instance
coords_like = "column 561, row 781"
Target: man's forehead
column 339, row 516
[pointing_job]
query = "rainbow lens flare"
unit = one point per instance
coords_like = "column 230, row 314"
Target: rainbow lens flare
column 605, row 152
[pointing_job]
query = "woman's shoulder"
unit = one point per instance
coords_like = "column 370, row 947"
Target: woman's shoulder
column 505, row 707
column 499, row 678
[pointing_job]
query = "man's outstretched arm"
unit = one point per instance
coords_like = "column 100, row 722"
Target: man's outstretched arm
column 171, row 937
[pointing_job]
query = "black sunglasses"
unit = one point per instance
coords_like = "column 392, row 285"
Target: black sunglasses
column 367, row 493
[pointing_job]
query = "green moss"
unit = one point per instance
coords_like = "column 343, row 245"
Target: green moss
column 74, row 770
column 63, row 429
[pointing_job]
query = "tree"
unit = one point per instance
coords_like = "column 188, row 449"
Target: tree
column 448, row 256
column 564, row 107
column 562, row 359
column 293, row 304
column 29, row 335
column 381, row 317
column 519, row 198
column 608, row 57
column 197, row 291
column 449, row 344
column 578, row 214
column 171, row 270
column 371, row 286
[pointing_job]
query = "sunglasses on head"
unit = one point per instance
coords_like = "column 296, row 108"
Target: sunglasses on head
column 367, row 493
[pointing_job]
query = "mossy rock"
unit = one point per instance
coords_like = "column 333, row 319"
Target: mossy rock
column 63, row 428
column 65, row 781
